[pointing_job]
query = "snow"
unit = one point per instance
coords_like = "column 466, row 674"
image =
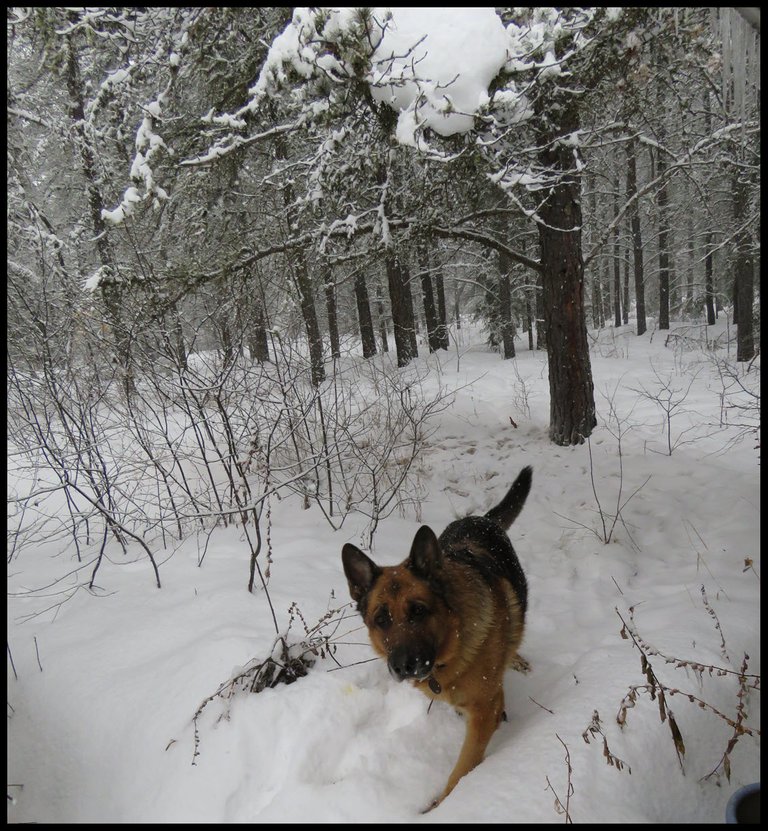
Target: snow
column 131, row 197
column 415, row 66
column 148, row 145
column 418, row 72
column 116, row 77
column 103, row 732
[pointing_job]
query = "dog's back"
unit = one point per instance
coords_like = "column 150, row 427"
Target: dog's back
column 482, row 542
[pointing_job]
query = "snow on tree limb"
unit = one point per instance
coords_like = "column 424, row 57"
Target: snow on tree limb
column 148, row 146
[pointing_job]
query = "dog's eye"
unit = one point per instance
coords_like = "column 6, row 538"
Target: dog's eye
column 382, row 618
column 418, row 611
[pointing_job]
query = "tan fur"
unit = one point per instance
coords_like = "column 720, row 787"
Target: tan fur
column 478, row 639
column 450, row 617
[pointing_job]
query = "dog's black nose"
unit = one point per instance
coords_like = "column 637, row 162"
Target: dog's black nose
column 405, row 662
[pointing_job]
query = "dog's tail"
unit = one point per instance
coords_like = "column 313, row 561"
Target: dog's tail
column 507, row 511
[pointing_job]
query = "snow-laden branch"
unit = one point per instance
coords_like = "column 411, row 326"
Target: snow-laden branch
column 148, row 146
column 236, row 143
column 149, row 143
column 405, row 59
column 485, row 239
column 28, row 116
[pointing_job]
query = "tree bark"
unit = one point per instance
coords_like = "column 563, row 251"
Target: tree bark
column 625, row 295
column 442, row 329
column 541, row 323
column 364, row 315
column 401, row 304
column 743, row 282
column 616, row 259
column 258, row 344
column 221, row 318
column 597, row 300
column 303, row 282
column 506, row 321
column 594, row 270
column 329, row 288
column 410, row 314
column 572, row 404
column 709, row 283
column 177, row 336
column 301, row 277
column 662, row 200
column 605, row 289
column 637, row 240
column 428, row 297
column 382, row 321
column 112, row 291
column 529, row 318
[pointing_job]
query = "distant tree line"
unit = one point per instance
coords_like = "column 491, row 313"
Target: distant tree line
column 157, row 206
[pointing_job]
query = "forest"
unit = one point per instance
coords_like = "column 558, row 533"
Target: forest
column 281, row 278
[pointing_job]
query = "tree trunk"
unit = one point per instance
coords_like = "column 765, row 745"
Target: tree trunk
column 690, row 289
column 675, row 294
column 597, row 300
column 605, row 289
column 594, row 271
column 258, row 344
column 364, row 315
column 402, row 308
column 743, row 282
column 529, row 318
column 625, row 296
column 637, row 240
column 506, row 321
column 572, row 404
column 709, row 284
column 177, row 337
column 663, row 206
column 221, row 317
column 616, row 258
column 329, row 288
column 382, row 321
column 430, row 313
column 442, row 329
column 256, row 320
column 410, row 315
column 112, row 291
column 457, row 292
column 303, row 283
column 541, row 323
column 301, row 277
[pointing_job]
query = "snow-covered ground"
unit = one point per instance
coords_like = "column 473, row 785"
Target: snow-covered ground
column 101, row 729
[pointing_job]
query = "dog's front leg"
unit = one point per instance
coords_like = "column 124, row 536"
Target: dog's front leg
column 482, row 720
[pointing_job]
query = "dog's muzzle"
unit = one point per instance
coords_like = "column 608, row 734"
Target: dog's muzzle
column 406, row 662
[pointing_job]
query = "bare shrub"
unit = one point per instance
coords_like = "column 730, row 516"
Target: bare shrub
column 670, row 398
column 564, row 808
column 288, row 660
column 617, row 426
column 657, row 691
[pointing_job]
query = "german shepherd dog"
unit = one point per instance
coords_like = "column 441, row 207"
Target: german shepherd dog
column 450, row 617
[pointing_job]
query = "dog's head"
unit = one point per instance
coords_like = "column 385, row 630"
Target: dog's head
column 403, row 606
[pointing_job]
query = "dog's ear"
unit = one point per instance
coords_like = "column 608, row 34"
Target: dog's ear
column 360, row 569
column 426, row 557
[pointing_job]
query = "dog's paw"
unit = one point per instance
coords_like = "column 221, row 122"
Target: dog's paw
column 520, row 664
